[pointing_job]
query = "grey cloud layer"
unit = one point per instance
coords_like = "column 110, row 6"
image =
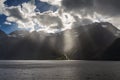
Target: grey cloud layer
column 106, row 7
column 110, row 7
column 77, row 4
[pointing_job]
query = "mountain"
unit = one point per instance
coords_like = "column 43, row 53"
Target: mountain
column 113, row 51
column 21, row 45
column 3, row 42
column 89, row 42
column 2, row 34
column 19, row 33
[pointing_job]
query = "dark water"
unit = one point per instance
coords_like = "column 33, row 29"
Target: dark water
column 59, row 70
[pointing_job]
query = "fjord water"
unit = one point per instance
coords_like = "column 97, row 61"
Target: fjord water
column 59, row 70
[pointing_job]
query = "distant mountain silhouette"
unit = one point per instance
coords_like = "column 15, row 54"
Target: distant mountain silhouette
column 2, row 34
column 20, row 45
column 19, row 33
column 113, row 51
column 3, row 42
column 95, row 41
column 92, row 40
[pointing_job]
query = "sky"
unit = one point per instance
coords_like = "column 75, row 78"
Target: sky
column 12, row 25
column 53, row 16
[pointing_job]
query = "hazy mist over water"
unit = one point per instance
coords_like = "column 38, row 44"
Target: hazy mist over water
column 59, row 70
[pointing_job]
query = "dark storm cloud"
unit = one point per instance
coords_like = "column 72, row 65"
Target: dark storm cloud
column 77, row 4
column 108, row 7
column 105, row 7
column 83, row 7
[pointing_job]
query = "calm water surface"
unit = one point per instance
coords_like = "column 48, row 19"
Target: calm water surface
column 59, row 70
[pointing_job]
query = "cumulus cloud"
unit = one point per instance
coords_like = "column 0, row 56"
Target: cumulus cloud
column 22, row 15
column 26, row 17
column 53, row 2
column 2, row 6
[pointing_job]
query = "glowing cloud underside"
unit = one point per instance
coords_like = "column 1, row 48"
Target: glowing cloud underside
column 51, row 22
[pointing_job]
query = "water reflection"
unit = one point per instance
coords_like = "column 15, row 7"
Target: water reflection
column 60, row 70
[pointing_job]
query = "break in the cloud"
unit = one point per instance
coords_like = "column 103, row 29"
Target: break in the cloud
column 70, row 13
